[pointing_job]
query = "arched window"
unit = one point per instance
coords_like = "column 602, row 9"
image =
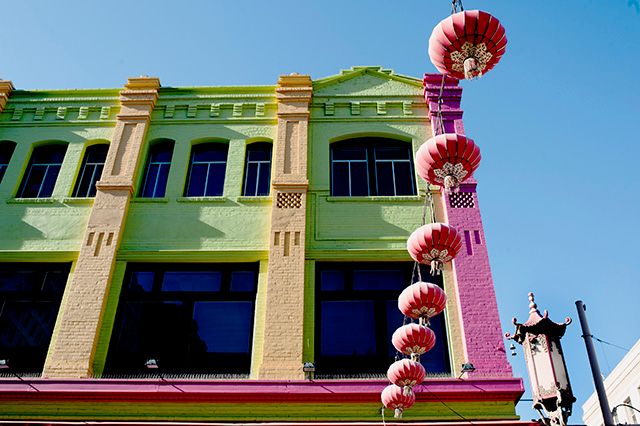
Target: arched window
column 91, row 170
column 206, row 170
column 156, row 172
column 371, row 166
column 6, row 151
column 42, row 171
column 257, row 169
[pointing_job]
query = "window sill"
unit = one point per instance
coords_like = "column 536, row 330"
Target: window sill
column 150, row 200
column 260, row 199
column 377, row 198
column 221, row 199
column 78, row 200
column 32, row 201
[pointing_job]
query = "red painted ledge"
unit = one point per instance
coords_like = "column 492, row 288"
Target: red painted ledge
column 251, row 391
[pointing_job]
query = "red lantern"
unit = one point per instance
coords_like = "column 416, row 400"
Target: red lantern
column 413, row 339
column 467, row 44
column 406, row 374
column 447, row 159
column 435, row 244
column 395, row 399
column 422, row 301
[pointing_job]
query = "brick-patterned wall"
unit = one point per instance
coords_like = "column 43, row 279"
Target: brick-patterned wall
column 476, row 298
column 76, row 331
column 282, row 347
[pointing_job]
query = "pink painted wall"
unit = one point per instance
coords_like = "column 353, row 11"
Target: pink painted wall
column 482, row 338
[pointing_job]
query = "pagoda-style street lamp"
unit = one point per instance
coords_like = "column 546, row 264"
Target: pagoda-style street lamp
column 550, row 387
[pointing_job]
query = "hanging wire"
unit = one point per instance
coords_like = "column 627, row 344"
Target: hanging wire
column 456, row 6
column 610, row 344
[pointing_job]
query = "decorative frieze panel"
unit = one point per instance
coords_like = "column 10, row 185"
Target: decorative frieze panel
column 462, row 200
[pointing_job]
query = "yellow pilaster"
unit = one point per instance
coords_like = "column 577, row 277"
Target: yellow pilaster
column 74, row 339
column 6, row 87
column 283, row 330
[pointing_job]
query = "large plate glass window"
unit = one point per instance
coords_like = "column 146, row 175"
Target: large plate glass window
column 191, row 318
column 356, row 314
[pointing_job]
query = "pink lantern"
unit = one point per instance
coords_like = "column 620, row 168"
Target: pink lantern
column 395, row 399
column 447, row 159
column 413, row 339
column 467, row 44
column 435, row 244
column 406, row 374
column 422, row 301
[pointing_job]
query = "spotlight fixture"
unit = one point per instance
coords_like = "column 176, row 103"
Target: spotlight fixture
column 309, row 369
column 151, row 363
column 467, row 367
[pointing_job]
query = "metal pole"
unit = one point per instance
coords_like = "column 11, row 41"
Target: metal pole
column 595, row 368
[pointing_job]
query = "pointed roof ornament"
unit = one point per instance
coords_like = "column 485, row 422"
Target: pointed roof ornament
column 537, row 324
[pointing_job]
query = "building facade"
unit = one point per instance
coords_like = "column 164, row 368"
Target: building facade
column 178, row 254
column 622, row 386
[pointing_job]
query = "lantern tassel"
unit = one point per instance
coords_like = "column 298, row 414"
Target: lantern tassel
column 407, row 390
column 471, row 70
column 436, row 267
column 451, row 184
column 397, row 413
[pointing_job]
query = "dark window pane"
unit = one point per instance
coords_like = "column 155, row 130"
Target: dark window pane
column 34, row 175
column 259, row 152
column 55, row 282
column 405, row 183
column 48, row 154
column 19, row 281
column 224, row 327
column 264, row 178
column 49, row 181
column 141, row 281
column 29, row 299
column 347, row 328
column 394, row 321
column 91, row 170
column 151, row 180
column 243, row 281
column 215, row 184
column 437, row 359
column 384, row 177
column 332, row 280
column 251, row 180
column 378, row 280
column 161, row 180
column 349, row 153
column 157, row 170
column 210, row 152
column 392, row 152
column 359, row 179
column 153, row 330
column 191, row 281
column 6, row 151
column 340, row 179
column 197, row 180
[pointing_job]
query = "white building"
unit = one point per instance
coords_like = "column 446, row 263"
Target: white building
column 622, row 387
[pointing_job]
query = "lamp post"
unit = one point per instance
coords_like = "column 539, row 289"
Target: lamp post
column 550, row 387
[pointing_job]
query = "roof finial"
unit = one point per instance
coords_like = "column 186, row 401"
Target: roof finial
column 532, row 303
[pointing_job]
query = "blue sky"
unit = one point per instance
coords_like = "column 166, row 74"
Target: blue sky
column 556, row 120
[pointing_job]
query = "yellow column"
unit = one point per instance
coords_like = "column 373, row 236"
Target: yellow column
column 283, row 329
column 75, row 335
column 6, row 87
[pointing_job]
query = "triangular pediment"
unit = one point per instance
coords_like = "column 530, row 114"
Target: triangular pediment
column 367, row 81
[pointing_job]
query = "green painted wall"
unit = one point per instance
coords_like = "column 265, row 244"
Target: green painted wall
column 50, row 229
